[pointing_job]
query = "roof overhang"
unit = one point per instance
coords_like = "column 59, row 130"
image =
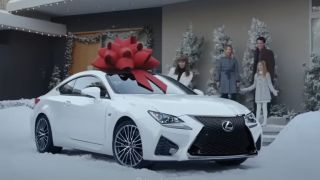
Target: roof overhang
column 10, row 21
column 76, row 7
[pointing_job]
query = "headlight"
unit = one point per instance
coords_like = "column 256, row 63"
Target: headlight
column 250, row 118
column 168, row 120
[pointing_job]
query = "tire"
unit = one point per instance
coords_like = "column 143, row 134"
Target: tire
column 43, row 136
column 127, row 145
column 231, row 162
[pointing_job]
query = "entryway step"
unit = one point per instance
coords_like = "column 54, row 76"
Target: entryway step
column 272, row 129
column 268, row 139
column 282, row 121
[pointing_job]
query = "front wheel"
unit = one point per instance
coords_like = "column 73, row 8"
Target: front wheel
column 127, row 145
column 43, row 136
column 231, row 162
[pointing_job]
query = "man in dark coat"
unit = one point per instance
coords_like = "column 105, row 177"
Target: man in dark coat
column 262, row 53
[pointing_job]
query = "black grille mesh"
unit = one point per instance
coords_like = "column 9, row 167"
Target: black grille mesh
column 214, row 141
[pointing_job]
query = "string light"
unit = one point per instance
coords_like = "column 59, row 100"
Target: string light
column 33, row 9
column 39, row 6
column 31, row 31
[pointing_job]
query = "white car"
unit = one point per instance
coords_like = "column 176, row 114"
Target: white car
column 111, row 114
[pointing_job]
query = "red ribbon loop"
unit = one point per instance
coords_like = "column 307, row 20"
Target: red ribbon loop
column 129, row 55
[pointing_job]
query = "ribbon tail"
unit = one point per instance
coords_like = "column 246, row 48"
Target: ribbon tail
column 157, row 82
column 141, row 79
column 143, row 76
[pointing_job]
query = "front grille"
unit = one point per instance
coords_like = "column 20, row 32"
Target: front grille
column 214, row 141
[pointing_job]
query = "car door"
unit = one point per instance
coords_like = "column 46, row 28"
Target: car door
column 87, row 115
column 59, row 105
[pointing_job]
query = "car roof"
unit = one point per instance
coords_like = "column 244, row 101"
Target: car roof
column 99, row 73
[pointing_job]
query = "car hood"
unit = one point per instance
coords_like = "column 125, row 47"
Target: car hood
column 179, row 105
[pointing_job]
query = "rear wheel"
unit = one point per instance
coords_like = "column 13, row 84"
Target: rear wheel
column 231, row 162
column 43, row 136
column 127, row 145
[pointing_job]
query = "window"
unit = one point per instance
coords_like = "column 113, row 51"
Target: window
column 315, row 23
column 88, row 81
column 315, row 27
column 315, row 5
column 3, row 4
column 67, row 88
column 126, row 84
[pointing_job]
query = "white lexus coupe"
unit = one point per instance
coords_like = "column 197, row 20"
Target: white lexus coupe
column 109, row 113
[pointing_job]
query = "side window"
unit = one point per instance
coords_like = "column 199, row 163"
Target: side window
column 67, row 88
column 89, row 81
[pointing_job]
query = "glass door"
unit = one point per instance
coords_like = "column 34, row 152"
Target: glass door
column 315, row 27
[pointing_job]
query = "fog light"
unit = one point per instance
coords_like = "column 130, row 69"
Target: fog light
column 172, row 151
column 166, row 147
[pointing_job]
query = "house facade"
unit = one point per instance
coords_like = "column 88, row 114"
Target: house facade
column 294, row 27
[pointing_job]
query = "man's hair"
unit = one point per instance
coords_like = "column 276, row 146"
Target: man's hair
column 261, row 39
column 228, row 46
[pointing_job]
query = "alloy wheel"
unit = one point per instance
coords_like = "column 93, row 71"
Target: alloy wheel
column 42, row 134
column 128, row 146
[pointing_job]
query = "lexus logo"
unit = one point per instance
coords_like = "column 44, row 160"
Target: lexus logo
column 227, row 126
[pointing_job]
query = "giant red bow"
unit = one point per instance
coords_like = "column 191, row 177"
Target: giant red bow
column 129, row 55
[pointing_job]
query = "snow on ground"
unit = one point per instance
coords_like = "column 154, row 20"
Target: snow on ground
column 14, row 103
column 293, row 155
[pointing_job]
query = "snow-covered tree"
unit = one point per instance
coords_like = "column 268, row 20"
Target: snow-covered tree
column 55, row 77
column 312, row 85
column 190, row 47
column 281, row 110
column 257, row 29
column 220, row 41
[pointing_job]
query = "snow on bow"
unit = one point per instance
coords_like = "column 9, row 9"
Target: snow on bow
column 129, row 55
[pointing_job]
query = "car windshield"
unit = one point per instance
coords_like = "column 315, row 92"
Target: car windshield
column 126, row 84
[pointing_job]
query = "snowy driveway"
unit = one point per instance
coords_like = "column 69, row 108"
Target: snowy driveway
column 294, row 155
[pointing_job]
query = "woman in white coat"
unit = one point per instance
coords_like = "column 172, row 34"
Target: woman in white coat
column 182, row 71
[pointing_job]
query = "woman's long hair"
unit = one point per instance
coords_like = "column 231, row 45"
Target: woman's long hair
column 225, row 49
column 264, row 68
column 187, row 67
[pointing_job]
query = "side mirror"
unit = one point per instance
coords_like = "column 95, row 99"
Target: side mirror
column 199, row 92
column 93, row 92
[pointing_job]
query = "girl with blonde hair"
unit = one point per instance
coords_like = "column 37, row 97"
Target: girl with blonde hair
column 263, row 85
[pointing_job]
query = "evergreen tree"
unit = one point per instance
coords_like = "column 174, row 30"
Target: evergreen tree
column 312, row 85
column 190, row 47
column 220, row 41
column 257, row 29
column 55, row 77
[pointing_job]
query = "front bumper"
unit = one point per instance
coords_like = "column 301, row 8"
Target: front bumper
column 181, row 141
column 208, row 158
